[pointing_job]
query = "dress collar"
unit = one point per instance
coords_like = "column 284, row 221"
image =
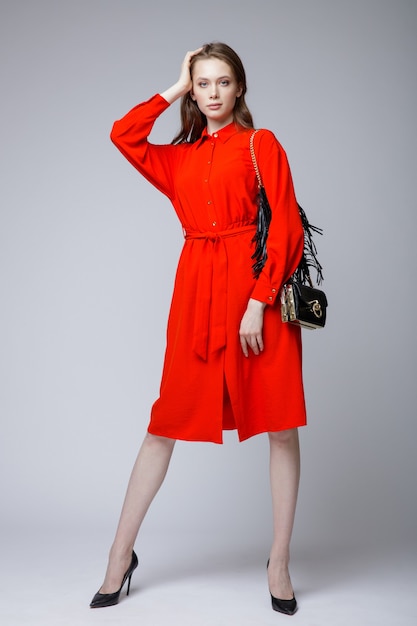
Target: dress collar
column 223, row 135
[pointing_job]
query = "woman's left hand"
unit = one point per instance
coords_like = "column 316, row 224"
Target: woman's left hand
column 250, row 332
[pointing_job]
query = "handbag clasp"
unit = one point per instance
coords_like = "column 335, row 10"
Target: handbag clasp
column 316, row 308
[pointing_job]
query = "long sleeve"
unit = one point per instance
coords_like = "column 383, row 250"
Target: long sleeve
column 130, row 134
column 286, row 236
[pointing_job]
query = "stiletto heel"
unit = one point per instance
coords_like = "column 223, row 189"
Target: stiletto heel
column 109, row 599
column 288, row 607
column 128, row 584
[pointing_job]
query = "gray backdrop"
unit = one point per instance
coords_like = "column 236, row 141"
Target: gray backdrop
column 86, row 284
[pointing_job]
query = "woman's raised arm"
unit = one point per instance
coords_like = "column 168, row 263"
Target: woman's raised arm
column 183, row 84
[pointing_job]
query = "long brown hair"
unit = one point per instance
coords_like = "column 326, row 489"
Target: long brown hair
column 193, row 121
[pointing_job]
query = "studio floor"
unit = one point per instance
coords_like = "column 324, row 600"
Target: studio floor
column 49, row 577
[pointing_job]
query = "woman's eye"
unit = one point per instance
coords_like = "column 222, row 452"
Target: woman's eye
column 202, row 84
column 224, row 83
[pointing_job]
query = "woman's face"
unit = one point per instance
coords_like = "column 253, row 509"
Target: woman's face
column 215, row 91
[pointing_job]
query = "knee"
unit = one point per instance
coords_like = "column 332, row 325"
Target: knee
column 155, row 441
column 283, row 438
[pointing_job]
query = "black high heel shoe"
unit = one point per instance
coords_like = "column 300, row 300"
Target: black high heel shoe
column 288, row 607
column 109, row 599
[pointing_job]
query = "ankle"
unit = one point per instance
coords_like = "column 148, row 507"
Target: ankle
column 120, row 552
column 279, row 559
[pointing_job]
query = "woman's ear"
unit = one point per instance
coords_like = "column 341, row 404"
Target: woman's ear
column 239, row 91
column 192, row 96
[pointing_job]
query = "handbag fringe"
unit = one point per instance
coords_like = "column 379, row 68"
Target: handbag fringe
column 259, row 239
column 309, row 258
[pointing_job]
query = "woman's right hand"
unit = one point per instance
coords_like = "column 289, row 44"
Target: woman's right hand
column 185, row 75
column 184, row 83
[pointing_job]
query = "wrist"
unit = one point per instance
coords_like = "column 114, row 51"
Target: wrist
column 256, row 304
column 175, row 91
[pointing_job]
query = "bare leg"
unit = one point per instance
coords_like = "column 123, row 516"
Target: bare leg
column 147, row 476
column 285, row 476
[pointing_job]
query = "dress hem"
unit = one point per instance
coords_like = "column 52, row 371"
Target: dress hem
column 241, row 437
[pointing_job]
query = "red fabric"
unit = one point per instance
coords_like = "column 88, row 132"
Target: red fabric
column 207, row 383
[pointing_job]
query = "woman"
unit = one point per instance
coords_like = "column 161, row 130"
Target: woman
column 230, row 363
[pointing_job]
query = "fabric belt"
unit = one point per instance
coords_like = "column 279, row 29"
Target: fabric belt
column 210, row 308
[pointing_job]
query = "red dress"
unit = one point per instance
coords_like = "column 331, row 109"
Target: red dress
column 207, row 384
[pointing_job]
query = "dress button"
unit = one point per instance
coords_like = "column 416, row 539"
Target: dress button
column 208, row 201
column 214, row 223
column 209, row 162
column 273, row 290
column 215, row 135
column 269, row 297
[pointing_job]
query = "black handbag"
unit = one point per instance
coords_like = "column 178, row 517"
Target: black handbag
column 301, row 303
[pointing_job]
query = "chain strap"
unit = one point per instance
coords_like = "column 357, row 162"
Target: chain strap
column 253, row 156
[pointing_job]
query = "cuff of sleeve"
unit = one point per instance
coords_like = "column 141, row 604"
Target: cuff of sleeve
column 266, row 294
column 161, row 99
